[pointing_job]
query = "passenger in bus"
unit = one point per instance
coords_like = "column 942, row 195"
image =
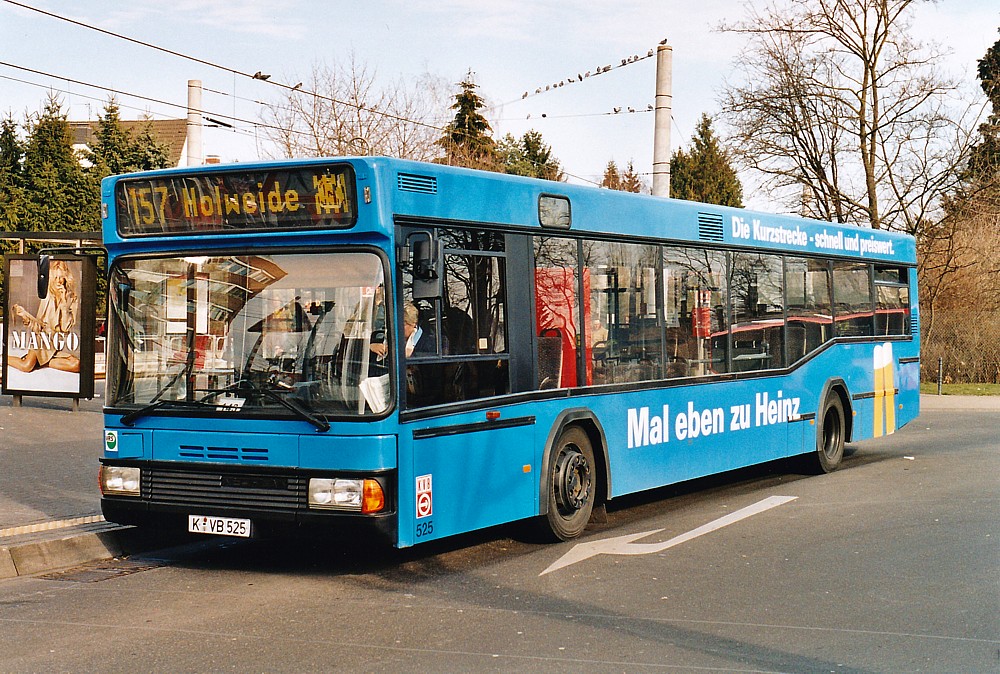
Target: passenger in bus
column 418, row 340
column 424, row 381
column 597, row 336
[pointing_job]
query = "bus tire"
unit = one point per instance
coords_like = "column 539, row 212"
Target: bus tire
column 571, row 486
column 831, row 429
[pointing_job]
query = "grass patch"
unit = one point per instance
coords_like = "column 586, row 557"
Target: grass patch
column 962, row 389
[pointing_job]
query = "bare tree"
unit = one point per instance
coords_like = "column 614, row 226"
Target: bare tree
column 344, row 110
column 845, row 114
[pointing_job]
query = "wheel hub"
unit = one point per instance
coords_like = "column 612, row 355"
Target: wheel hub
column 572, row 481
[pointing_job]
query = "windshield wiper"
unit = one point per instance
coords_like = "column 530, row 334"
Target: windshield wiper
column 155, row 402
column 166, row 387
column 294, row 407
column 130, row 418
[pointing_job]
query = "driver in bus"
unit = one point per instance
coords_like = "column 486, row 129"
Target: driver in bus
column 378, row 346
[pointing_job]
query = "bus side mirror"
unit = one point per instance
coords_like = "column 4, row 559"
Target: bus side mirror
column 427, row 276
column 43, row 276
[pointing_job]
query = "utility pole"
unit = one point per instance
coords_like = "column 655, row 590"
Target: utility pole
column 194, row 123
column 661, row 128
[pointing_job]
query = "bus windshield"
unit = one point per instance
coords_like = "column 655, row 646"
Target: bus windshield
column 261, row 334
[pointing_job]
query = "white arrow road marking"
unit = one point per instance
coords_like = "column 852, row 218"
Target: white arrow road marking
column 623, row 545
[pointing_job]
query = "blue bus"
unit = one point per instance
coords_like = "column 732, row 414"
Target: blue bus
column 420, row 350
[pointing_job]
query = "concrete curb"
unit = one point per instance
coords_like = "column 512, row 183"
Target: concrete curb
column 36, row 557
column 74, row 549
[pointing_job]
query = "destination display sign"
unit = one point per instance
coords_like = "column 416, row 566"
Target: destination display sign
column 253, row 200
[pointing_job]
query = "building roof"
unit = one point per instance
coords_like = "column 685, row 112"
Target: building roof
column 170, row 132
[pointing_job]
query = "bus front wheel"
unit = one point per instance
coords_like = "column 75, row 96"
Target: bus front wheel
column 571, row 486
column 830, row 433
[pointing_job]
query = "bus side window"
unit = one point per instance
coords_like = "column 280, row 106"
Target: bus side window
column 470, row 358
column 892, row 301
column 809, row 310
column 757, row 336
column 557, row 311
column 852, row 294
column 694, row 315
column 622, row 311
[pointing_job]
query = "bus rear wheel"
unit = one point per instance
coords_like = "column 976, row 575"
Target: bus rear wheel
column 830, row 433
column 571, row 486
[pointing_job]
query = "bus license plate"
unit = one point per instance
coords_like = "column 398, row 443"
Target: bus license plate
column 220, row 526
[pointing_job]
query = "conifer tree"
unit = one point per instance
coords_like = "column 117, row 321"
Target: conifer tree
column 115, row 149
column 631, row 182
column 110, row 149
column 705, row 173
column 612, row 176
column 149, row 153
column 529, row 156
column 984, row 162
column 627, row 181
column 11, row 150
column 11, row 193
column 467, row 140
column 59, row 194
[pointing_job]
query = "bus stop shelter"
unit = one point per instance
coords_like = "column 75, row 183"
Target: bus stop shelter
column 52, row 241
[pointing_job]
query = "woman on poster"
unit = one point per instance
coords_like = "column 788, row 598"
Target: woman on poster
column 56, row 317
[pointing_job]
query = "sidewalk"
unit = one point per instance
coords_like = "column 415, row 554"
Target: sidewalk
column 50, row 512
column 934, row 403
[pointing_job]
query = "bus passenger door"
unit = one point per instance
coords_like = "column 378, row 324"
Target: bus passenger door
column 467, row 473
column 470, row 463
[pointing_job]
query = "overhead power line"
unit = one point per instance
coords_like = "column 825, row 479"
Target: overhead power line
column 585, row 75
column 208, row 115
column 617, row 110
column 126, row 38
column 120, row 92
column 258, row 75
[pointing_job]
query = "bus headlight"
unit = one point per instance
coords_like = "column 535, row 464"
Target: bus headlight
column 119, row 481
column 364, row 496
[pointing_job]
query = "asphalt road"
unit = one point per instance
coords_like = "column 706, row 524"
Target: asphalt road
column 888, row 565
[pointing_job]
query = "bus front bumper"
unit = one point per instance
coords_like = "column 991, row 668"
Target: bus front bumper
column 266, row 502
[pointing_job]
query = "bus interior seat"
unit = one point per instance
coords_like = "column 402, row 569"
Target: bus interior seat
column 550, row 358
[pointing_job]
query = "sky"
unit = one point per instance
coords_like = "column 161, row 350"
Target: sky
column 511, row 46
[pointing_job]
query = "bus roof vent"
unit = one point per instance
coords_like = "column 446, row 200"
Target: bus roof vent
column 710, row 227
column 409, row 182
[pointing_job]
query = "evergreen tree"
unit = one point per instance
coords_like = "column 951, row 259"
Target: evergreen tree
column 467, row 140
column 612, row 176
column 529, row 156
column 59, row 194
column 705, row 173
column 631, row 182
column 117, row 150
column 11, row 193
column 11, row 149
column 110, row 149
column 984, row 161
column 615, row 179
column 149, row 153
